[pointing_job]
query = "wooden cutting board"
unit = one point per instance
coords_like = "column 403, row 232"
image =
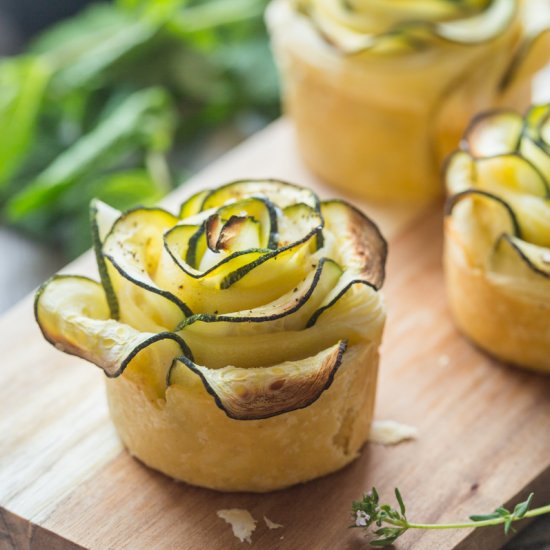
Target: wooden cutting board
column 484, row 437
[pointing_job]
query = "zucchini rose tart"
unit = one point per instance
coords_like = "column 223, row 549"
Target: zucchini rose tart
column 381, row 90
column 239, row 338
column 497, row 236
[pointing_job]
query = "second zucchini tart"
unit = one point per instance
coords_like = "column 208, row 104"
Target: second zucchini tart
column 381, row 90
column 497, row 235
column 239, row 337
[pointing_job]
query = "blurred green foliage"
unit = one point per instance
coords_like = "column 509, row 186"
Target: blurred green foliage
column 96, row 104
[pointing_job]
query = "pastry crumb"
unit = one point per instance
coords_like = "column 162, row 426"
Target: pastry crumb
column 390, row 432
column 271, row 524
column 241, row 521
column 443, row 360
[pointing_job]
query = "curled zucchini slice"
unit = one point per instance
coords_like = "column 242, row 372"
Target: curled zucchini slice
column 356, row 241
column 73, row 314
column 520, row 258
column 263, row 392
column 278, row 192
column 252, row 293
column 102, row 219
column 132, row 251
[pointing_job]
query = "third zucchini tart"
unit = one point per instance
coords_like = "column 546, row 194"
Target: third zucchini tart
column 381, row 90
column 497, row 235
column 239, row 337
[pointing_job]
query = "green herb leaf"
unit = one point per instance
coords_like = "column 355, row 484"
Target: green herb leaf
column 400, row 501
column 521, row 508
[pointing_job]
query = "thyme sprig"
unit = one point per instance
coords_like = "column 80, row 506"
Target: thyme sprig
column 387, row 523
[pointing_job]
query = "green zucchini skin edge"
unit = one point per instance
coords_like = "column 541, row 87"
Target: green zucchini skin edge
column 379, row 282
column 40, row 291
column 273, row 222
column 525, row 259
column 191, row 256
column 156, row 338
column 185, row 309
column 219, row 264
column 232, row 278
column 112, row 300
column 480, row 117
column 191, row 366
column 315, row 317
column 314, row 196
column 453, row 200
column 210, row 318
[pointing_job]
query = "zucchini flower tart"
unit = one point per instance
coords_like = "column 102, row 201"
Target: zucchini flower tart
column 239, row 338
column 497, row 235
column 380, row 91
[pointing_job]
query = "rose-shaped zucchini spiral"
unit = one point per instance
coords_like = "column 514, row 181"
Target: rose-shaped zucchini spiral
column 381, row 90
column 250, row 318
column 498, row 235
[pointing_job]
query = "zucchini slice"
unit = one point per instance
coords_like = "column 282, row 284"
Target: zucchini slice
column 533, row 214
column 261, row 272
column 102, row 219
column 535, row 119
column 195, row 239
column 263, row 392
column 212, row 228
column 73, row 314
column 350, row 301
column 516, row 257
column 510, row 173
column 477, row 218
column 459, row 170
column 487, row 25
column 260, row 209
column 535, row 152
column 133, row 249
column 185, row 246
column 278, row 192
column 494, row 133
column 354, row 242
column 238, row 233
column 192, row 205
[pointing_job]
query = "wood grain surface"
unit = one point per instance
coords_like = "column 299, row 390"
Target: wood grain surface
column 66, row 482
